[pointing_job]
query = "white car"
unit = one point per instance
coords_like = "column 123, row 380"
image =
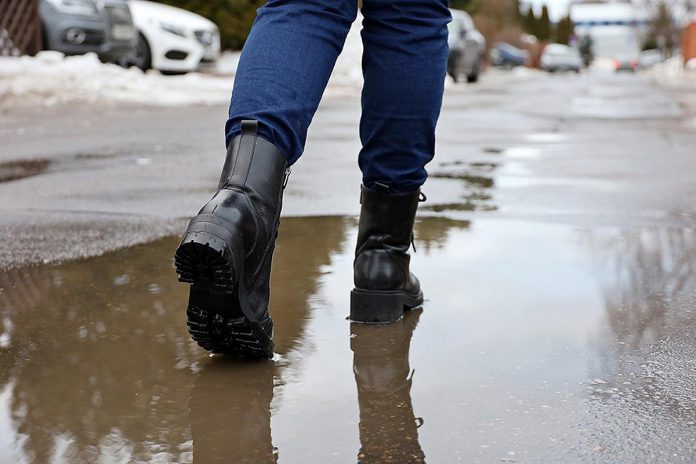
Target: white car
column 557, row 57
column 466, row 47
column 172, row 40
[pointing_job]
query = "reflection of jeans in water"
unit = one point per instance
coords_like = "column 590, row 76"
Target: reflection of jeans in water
column 290, row 54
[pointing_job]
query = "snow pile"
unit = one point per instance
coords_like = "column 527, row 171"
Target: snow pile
column 673, row 72
column 7, row 46
column 50, row 79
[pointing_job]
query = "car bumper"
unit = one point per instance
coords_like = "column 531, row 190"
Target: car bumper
column 96, row 35
column 180, row 54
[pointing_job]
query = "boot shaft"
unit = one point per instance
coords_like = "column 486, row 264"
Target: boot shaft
column 254, row 164
column 386, row 219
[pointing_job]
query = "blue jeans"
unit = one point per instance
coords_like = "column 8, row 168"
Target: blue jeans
column 291, row 51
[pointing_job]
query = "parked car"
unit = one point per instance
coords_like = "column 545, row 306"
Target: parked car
column 557, row 57
column 173, row 40
column 508, row 56
column 626, row 62
column 649, row 58
column 466, row 47
column 76, row 27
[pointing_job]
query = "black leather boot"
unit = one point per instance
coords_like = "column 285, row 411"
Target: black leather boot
column 384, row 286
column 227, row 248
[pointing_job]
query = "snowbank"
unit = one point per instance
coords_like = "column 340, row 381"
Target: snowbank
column 675, row 73
column 50, row 79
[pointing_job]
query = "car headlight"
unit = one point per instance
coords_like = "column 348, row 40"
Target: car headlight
column 78, row 7
column 172, row 29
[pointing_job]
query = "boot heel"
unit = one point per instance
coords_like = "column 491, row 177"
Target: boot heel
column 204, row 256
column 376, row 307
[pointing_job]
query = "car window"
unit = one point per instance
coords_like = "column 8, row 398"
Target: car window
column 556, row 50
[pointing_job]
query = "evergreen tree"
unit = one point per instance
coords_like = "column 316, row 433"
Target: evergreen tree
column 564, row 30
column 531, row 24
column 544, row 28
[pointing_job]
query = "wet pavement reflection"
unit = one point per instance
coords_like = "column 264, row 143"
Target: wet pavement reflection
column 536, row 343
column 383, row 376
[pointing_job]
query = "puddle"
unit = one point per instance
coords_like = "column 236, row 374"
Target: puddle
column 522, row 153
column 650, row 107
column 546, row 137
column 522, row 324
column 475, row 201
column 15, row 170
column 470, row 179
column 477, row 180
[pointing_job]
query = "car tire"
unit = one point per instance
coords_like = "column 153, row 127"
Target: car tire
column 454, row 70
column 142, row 57
column 473, row 77
column 166, row 72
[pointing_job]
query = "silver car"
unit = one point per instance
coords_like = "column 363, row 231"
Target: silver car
column 557, row 57
column 75, row 27
column 466, row 47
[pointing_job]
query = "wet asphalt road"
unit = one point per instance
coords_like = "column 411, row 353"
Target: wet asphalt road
column 557, row 252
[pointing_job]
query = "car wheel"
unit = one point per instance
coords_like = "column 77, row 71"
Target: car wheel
column 474, row 76
column 454, row 70
column 166, row 72
column 142, row 57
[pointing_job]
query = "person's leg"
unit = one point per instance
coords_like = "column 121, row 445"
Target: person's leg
column 285, row 66
column 404, row 65
column 227, row 249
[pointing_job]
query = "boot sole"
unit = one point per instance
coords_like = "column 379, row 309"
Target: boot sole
column 215, row 320
column 380, row 307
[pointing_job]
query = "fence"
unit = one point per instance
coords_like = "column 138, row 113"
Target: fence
column 20, row 27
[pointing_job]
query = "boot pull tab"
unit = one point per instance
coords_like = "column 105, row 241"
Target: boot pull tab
column 250, row 127
column 422, row 198
column 286, row 177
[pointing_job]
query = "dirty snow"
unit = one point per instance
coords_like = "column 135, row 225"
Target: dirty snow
column 675, row 72
column 50, row 79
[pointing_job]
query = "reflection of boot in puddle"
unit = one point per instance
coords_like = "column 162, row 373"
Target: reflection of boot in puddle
column 388, row 427
column 230, row 413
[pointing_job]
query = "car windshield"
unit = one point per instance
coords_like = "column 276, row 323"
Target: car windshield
column 557, row 50
column 561, row 50
column 510, row 49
